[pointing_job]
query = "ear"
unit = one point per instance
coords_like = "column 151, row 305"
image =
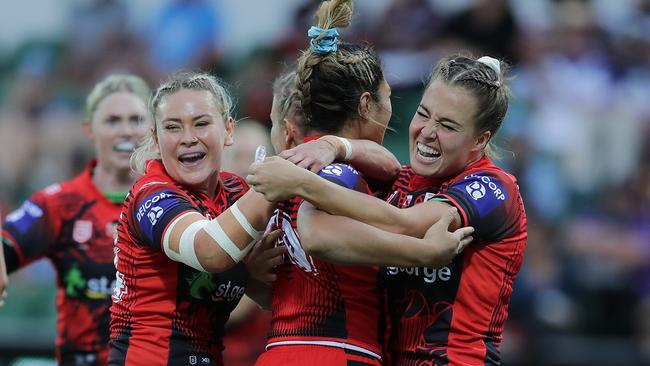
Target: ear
column 365, row 101
column 291, row 134
column 88, row 130
column 481, row 140
column 230, row 127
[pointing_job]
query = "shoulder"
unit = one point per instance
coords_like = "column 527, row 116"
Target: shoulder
column 342, row 174
column 233, row 182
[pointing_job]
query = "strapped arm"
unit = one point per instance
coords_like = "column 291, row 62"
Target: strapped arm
column 218, row 244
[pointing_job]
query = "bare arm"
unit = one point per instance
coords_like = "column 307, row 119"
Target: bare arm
column 216, row 245
column 374, row 161
column 356, row 243
column 278, row 179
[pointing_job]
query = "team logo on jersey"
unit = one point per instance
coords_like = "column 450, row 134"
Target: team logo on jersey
column 82, row 231
column 206, row 286
column 476, row 190
column 486, row 192
column 333, row 169
column 77, row 285
column 155, row 214
column 149, row 202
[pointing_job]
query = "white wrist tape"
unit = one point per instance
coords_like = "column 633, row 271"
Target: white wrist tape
column 348, row 148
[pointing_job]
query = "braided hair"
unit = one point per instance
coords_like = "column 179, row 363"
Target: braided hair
column 328, row 86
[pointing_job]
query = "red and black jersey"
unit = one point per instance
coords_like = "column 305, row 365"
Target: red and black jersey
column 73, row 225
column 165, row 312
column 456, row 314
column 316, row 302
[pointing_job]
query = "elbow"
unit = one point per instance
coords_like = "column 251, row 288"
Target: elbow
column 217, row 262
column 392, row 170
column 311, row 242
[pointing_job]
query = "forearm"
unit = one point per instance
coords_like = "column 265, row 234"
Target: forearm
column 357, row 243
column 374, row 161
column 338, row 200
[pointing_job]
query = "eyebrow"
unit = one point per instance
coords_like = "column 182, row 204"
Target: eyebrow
column 172, row 119
column 446, row 119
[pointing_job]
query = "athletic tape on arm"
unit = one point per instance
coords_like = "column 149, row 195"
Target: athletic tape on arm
column 216, row 232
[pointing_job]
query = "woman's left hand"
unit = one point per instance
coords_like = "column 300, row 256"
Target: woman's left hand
column 275, row 178
column 264, row 257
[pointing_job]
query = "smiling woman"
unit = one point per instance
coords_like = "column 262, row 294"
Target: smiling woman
column 462, row 108
column 181, row 235
column 72, row 223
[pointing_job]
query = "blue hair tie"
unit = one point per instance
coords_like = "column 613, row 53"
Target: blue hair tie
column 329, row 42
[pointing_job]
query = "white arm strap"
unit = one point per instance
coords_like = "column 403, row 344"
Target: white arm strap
column 187, row 253
column 256, row 235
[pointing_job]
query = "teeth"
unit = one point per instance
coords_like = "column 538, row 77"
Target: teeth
column 126, row 146
column 196, row 155
column 427, row 151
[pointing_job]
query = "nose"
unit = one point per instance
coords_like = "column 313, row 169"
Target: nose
column 189, row 137
column 430, row 130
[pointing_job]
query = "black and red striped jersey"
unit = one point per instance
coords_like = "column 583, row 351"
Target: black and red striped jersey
column 165, row 312
column 71, row 224
column 316, row 302
column 456, row 314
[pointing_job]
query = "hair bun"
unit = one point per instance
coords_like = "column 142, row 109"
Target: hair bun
column 492, row 63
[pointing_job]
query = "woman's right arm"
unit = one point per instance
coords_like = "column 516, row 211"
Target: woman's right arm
column 346, row 241
column 278, row 179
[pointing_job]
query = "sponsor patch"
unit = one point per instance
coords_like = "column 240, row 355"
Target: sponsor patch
column 25, row 216
column 341, row 174
column 485, row 192
column 152, row 208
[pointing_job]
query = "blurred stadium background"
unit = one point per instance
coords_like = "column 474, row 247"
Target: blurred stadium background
column 577, row 134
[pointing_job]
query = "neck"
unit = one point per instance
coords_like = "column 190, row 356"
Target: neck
column 349, row 132
column 475, row 159
column 113, row 180
column 210, row 187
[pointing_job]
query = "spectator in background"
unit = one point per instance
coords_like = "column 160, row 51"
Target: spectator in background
column 73, row 223
column 184, row 35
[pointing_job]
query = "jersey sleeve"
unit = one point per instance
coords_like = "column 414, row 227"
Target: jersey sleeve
column 488, row 201
column 153, row 210
column 26, row 233
column 346, row 176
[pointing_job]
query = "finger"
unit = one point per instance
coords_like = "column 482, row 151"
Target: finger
column 268, row 240
column 463, row 244
column 317, row 166
column 296, row 158
column 286, row 154
column 306, row 163
column 463, row 232
column 251, row 179
column 448, row 217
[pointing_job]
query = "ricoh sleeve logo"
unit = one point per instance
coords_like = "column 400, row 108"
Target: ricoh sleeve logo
column 476, row 189
column 146, row 205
